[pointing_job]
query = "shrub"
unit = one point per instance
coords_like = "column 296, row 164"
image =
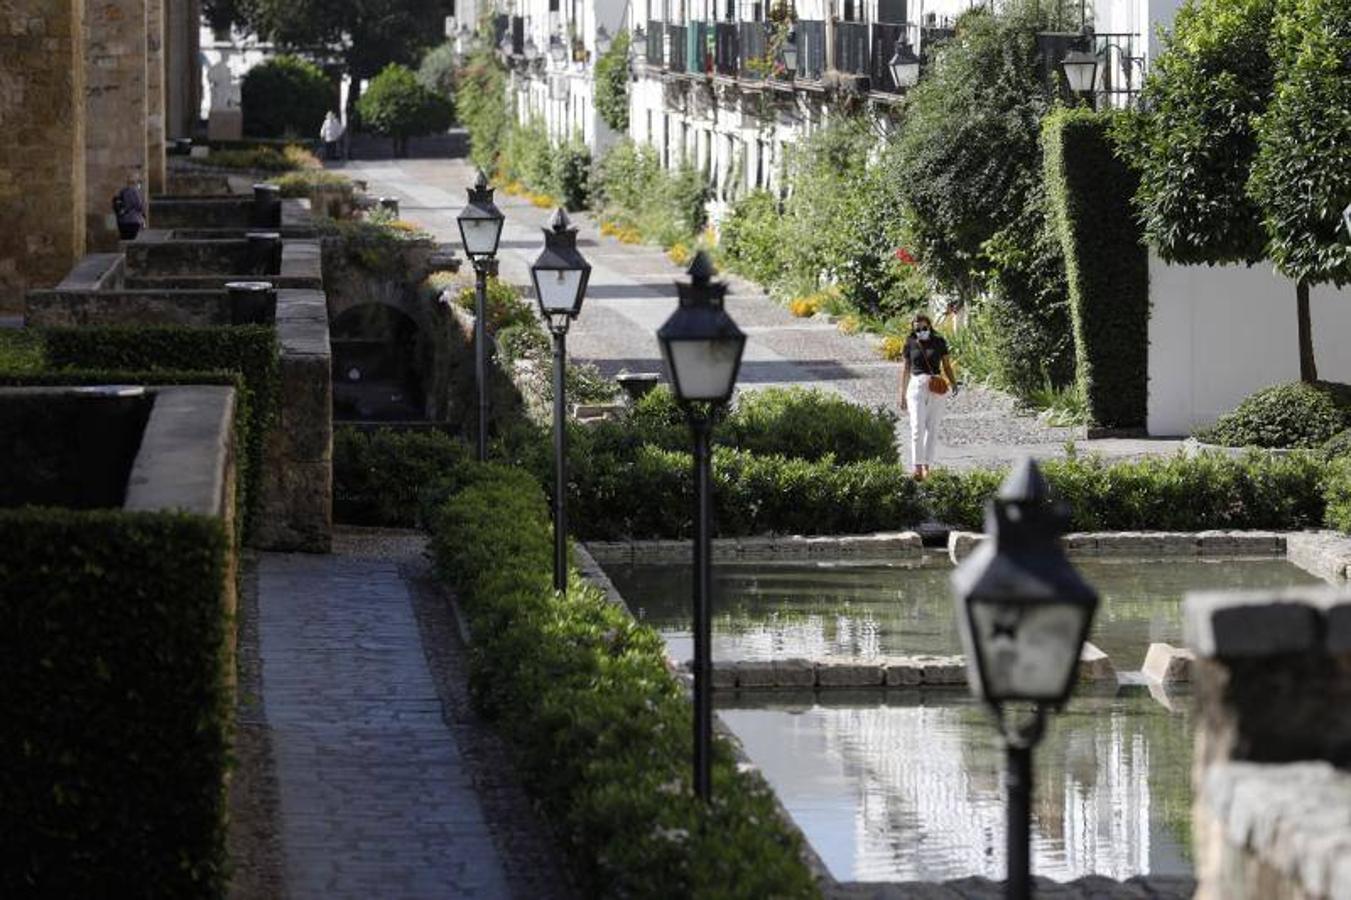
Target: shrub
column 612, row 84
column 115, row 670
column 482, row 101
column 286, row 96
column 289, row 158
column 375, row 243
column 572, row 174
column 303, row 183
column 1337, row 495
column 599, row 725
column 397, row 106
column 505, row 306
column 21, row 350
column 1337, row 446
column 809, row 424
column 249, row 350
column 1285, row 415
column 752, row 238
column 385, row 477
column 527, row 156
column 1107, row 268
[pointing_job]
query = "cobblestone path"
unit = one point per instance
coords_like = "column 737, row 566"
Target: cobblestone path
column 377, row 797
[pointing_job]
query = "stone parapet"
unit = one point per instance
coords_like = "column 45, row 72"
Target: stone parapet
column 888, row 546
column 296, row 509
column 64, row 308
column 1149, row 544
column 1264, row 832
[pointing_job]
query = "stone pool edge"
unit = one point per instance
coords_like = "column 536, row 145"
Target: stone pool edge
column 1098, row 887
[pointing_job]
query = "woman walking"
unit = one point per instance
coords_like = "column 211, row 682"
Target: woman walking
column 926, row 380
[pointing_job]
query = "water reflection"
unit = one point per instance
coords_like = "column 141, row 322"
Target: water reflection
column 909, row 790
column 777, row 610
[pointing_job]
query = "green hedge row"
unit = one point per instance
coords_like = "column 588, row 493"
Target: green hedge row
column 249, row 350
column 114, row 684
column 1090, row 191
column 600, row 725
column 387, row 477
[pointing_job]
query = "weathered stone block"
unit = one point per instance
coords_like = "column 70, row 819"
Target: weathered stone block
column 849, row 673
column 1249, row 623
column 755, row 674
column 1167, row 664
column 1325, row 554
column 790, row 673
column 903, row 672
column 1095, row 666
column 961, row 544
column 942, row 670
column 297, row 507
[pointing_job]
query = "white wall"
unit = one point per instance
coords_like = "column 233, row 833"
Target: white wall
column 1216, row 334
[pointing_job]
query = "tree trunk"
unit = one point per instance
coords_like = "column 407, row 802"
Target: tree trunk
column 1308, row 368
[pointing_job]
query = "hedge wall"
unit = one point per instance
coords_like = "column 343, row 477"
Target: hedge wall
column 249, row 350
column 600, row 726
column 1090, row 192
column 115, row 698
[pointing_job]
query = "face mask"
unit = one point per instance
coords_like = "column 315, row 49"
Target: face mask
column 922, row 334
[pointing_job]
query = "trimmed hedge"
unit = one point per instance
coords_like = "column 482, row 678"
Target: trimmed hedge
column 114, row 688
column 286, row 96
column 600, row 725
column 1337, row 495
column 385, row 477
column 1107, row 266
column 1297, row 415
column 249, row 350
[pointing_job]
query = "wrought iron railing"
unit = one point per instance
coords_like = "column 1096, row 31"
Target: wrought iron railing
column 852, row 55
column 811, row 49
column 725, row 56
column 656, row 32
column 885, row 37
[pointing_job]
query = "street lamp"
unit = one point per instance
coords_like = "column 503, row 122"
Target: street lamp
column 702, row 348
column 1081, row 71
column 480, row 229
column 790, row 53
column 560, row 274
column 1024, row 613
column 904, row 66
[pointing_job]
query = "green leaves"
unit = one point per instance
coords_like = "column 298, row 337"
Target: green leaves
column 599, row 724
column 612, row 84
column 286, row 96
column 397, row 106
column 1296, row 415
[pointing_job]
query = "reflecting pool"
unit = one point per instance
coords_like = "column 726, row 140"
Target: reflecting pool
column 814, row 610
column 909, row 788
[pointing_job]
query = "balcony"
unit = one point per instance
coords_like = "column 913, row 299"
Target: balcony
column 656, row 33
column 811, row 49
column 675, row 48
column 852, row 51
column 697, row 59
column 753, row 58
column 883, row 47
column 726, row 59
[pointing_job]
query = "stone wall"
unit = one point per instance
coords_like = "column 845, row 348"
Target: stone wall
column 154, row 95
column 115, row 111
column 182, row 71
column 42, row 150
column 1272, row 681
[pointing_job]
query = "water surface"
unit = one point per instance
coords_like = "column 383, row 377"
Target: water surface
column 863, row 610
column 910, row 788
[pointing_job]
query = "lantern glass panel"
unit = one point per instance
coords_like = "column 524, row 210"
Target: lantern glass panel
column 479, row 235
column 703, row 369
column 1081, row 71
column 558, row 289
column 1027, row 651
column 790, row 56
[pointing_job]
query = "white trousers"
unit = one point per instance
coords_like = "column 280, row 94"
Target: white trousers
column 926, row 411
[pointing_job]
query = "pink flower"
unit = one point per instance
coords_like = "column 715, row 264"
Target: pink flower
column 905, row 257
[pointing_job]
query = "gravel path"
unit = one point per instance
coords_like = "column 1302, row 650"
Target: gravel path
column 632, row 292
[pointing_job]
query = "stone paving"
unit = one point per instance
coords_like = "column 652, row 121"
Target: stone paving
column 376, row 795
column 632, row 292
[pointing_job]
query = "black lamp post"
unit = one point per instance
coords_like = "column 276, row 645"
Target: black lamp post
column 904, row 66
column 480, row 229
column 702, row 348
column 560, row 274
column 1024, row 613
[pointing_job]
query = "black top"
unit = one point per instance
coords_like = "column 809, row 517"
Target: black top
column 926, row 357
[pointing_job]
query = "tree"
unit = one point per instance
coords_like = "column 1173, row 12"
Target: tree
column 397, row 106
column 286, row 95
column 369, row 34
column 612, row 84
column 968, row 160
column 436, row 72
column 1301, row 177
column 1243, row 153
